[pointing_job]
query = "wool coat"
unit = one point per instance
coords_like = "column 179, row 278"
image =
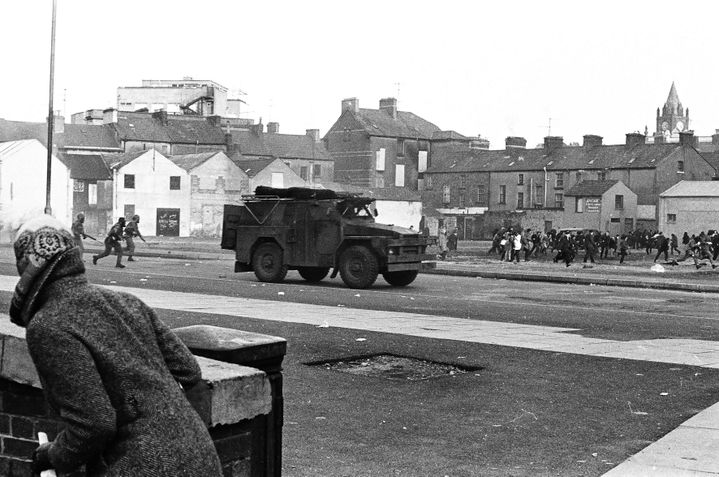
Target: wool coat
column 112, row 370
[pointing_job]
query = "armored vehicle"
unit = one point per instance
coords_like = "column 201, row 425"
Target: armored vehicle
column 315, row 230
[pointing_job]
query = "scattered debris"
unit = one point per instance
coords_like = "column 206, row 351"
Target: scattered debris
column 222, row 276
column 357, row 295
column 112, row 281
column 361, row 339
column 281, row 293
column 664, row 394
column 638, row 413
column 320, row 418
column 143, row 279
column 324, row 325
column 657, row 268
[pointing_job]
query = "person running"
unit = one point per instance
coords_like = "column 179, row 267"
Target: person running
column 662, row 246
column 623, row 248
column 113, row 241
column 674, row 242
column 132, row 230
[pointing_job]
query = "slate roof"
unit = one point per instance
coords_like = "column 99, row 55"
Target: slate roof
column 117, row 161
column 692, row 189
column 86, row 136
column 191, row 161
column 133, row 126
column 283, row 146
column 712, row 158
column 87, row 166
column 252, row 167
column 377, row 122
column 643, row 156
column 590, row 188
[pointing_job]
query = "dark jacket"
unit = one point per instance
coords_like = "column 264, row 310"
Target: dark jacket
column 112, row 370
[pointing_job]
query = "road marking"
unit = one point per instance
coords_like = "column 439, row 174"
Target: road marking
column 537, row 337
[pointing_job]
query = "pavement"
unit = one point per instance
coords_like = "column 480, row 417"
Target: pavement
column 689, row 450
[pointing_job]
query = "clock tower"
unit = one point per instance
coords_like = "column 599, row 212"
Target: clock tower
column 672, row 118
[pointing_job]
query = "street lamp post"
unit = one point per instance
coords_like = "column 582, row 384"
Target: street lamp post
column 51, row 113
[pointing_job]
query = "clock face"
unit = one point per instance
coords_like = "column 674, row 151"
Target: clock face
column 680, row 126
column 665, row 126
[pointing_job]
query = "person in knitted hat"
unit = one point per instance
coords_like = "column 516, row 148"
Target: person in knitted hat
column 109, row 367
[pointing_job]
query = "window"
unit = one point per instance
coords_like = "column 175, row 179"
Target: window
column 422, row 161
column 379, row 159
column 520, row 179
column 303, row 172
column 618, row 201
column 680, row 167
column 579, row 176
column 579, row 205
column 462, row 182
column 92, row 194
column 427, row 182
column 400, row 147
column 399, row 175
column 520, row 200
column 481, row 196
column 601, row 175
column 539, row 195
column 671, row 218
column 445, row 194
column 461, row 201
column 278, row 179
column 559, row 200
column 174, row 182
column 316, row 170
column 559, row 180
column 503, row 194
column 129, row 181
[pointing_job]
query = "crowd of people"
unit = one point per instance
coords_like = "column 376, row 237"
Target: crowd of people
column 512, row 244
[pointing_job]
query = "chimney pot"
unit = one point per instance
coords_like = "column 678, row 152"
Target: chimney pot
column 687, row 138
column 273, row 128
column 109, row 115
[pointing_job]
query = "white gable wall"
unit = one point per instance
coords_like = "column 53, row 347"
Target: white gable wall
column 152, row 172
column 402, row 213
column 23, row 179
column 289, row 177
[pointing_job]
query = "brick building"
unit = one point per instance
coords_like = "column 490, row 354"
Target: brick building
column 517, row 184
column 379, row 147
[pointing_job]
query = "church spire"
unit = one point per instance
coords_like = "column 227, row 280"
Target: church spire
column 673, row 98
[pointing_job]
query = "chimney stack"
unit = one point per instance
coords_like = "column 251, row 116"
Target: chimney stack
column 553, row 142
column 592, row 140
column 687, row 138
column 109, row 116
column 715, row 138
column 350, row 104
column 389, row 106
column 512, row 142
column 314, row 134
column 273, row 128
column 635, row 139
column 58, row 123
column 161, row 116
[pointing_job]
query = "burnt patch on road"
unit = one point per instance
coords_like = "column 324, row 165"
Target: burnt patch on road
column 397, row 368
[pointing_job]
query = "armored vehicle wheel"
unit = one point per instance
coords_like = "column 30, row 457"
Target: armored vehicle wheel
column 313, row 274
column 267, row 263
column 401, row 278
column 358, row 267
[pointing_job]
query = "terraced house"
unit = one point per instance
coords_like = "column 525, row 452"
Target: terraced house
column 481, row 190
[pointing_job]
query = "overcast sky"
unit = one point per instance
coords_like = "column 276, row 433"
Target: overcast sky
column 496, row 69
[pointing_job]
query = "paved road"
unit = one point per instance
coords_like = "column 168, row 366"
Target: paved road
column 670, row 327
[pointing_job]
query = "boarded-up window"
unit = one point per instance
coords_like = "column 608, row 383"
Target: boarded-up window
column 174, row 182
column 78, row 186
column 278, row 179
column 380, row 159
column 92, row 194
column 399, row 175
column 316, row 170
column 129, row 181
column 422, row 164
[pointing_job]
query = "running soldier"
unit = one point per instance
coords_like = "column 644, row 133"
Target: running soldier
column 113, row 241
column 78, row 232
column 132, row 230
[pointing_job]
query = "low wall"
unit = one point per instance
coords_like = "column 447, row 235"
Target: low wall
column 235, row 402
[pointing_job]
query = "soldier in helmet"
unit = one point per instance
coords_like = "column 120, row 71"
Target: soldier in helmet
column 113, row 241
column 132, row 230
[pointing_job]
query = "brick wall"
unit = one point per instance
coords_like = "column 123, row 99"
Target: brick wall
column 236, row 402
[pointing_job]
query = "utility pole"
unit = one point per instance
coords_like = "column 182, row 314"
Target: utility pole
column 51, row 113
